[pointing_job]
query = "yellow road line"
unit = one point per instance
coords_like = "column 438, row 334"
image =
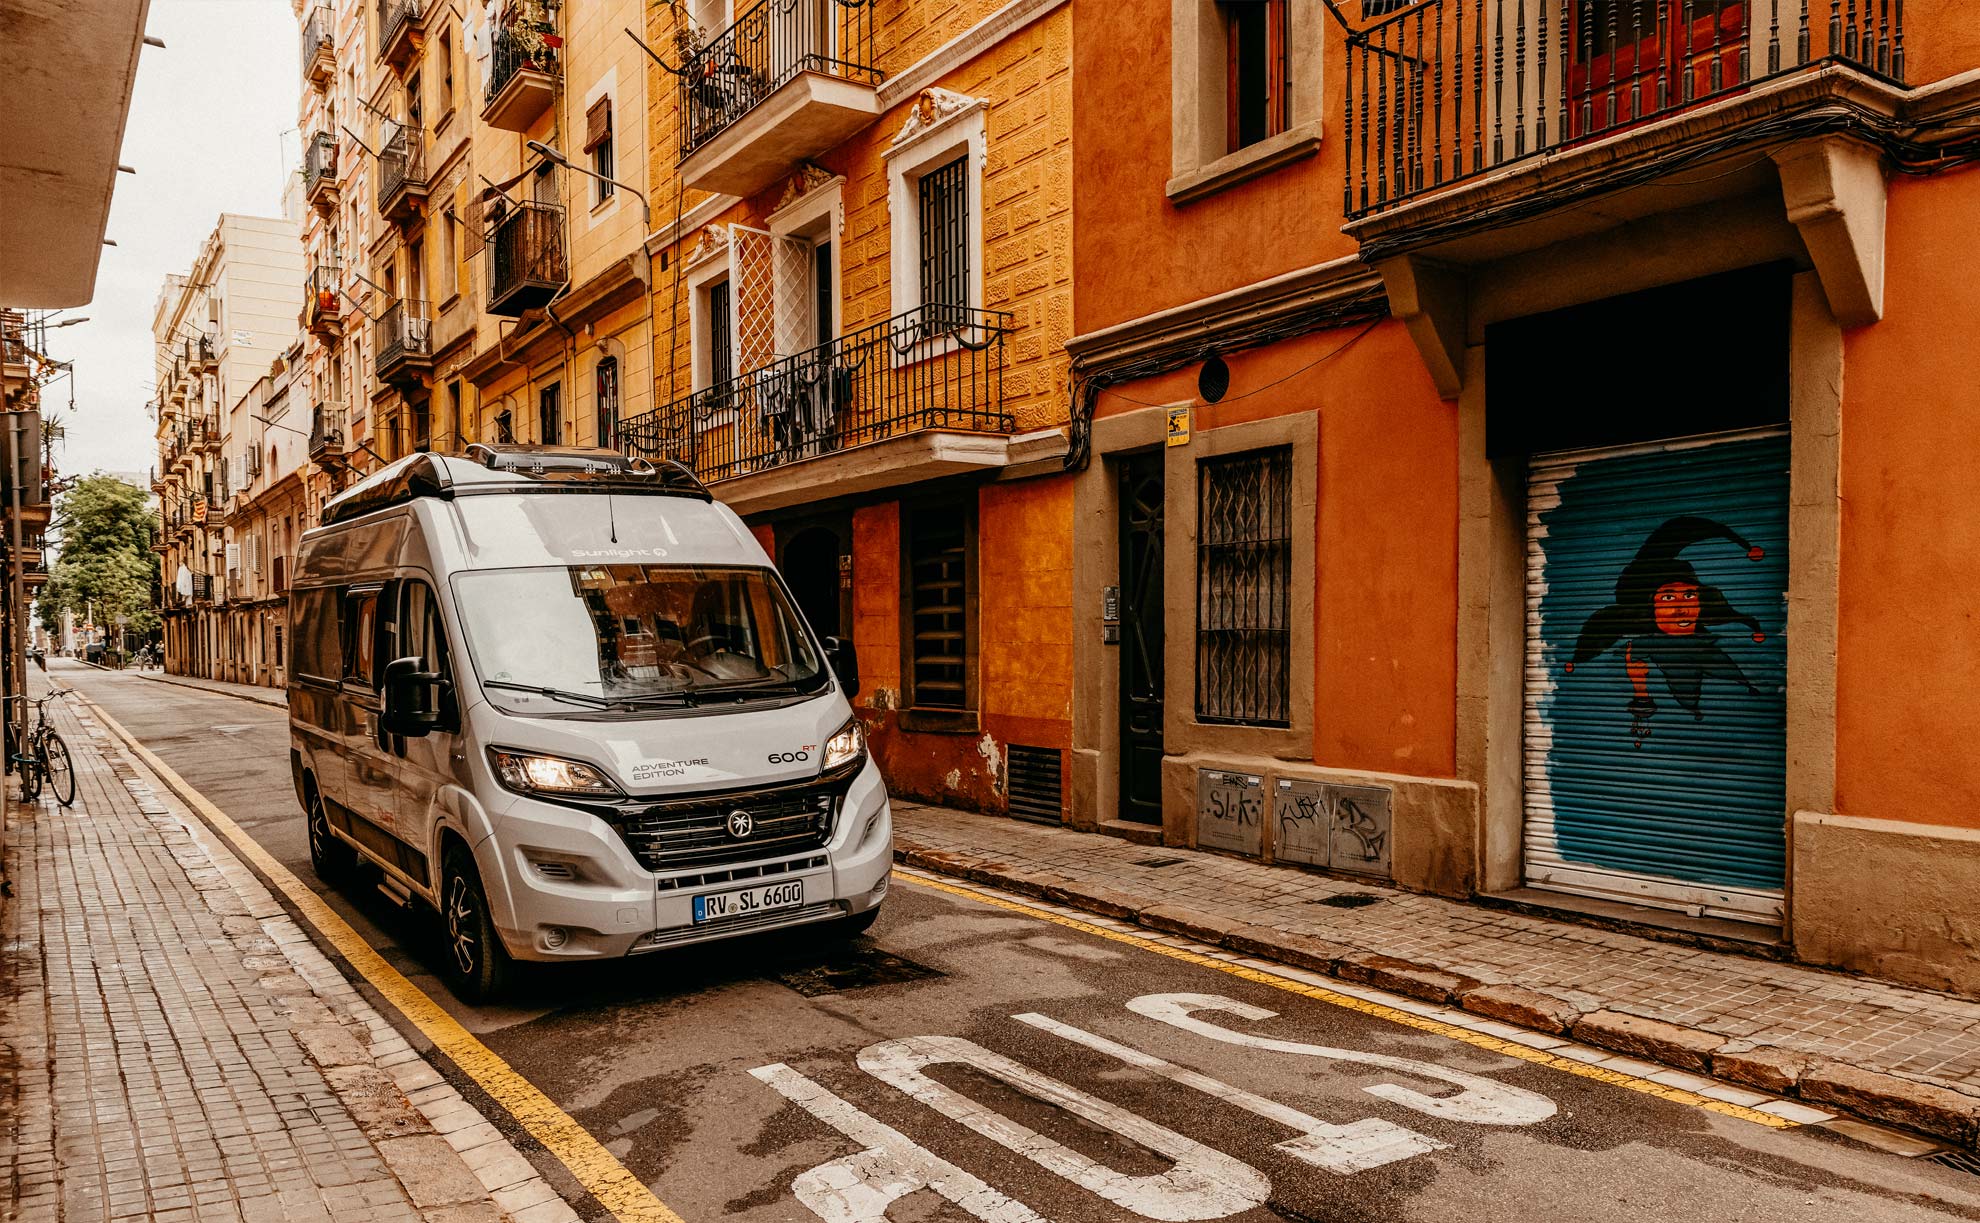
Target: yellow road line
column 1378, row 1010
column 594, row 1167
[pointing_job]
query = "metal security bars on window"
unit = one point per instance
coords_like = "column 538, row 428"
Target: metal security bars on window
column 1243, row 588
column 937, row 557
column 944, row 215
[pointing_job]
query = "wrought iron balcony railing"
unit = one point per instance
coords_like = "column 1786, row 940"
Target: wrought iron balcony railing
column 396, row 18
column 403, row 334
column 1438, row 91
column 770, row 44
column 508, row 55
column 936, row 367
column 320, row 162
column 318, row 44
column 526, row 264
column 326, row 431
column 401, row 171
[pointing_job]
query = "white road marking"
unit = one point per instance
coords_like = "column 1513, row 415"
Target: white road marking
column 1346, row 1149
column 860, row 1187
column 1481, row 1102
column 1203, row 1184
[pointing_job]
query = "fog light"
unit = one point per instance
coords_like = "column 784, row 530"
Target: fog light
column 880, row 888
column 555, row 937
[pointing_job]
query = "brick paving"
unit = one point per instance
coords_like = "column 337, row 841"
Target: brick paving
column 1750, row 1002
column 152, row 1064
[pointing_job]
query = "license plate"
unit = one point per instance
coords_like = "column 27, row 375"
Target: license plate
column 747, row 901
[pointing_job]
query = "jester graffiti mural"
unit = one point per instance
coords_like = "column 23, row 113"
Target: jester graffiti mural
column 1656, row 740
column 1663, row 616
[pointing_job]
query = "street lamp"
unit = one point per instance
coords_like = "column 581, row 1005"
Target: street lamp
column 556, row 158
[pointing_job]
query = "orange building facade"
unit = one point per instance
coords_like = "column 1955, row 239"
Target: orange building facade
column 863, row 253
column 1509, row 457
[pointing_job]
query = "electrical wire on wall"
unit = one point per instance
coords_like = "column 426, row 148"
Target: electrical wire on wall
column 1369, row 307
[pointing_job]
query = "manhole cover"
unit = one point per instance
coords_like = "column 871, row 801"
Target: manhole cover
column 1151, row 862
column 847, row 968
column 1959, row 1161
column 1347, row 900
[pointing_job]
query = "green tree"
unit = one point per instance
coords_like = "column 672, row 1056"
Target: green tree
column 106, row 568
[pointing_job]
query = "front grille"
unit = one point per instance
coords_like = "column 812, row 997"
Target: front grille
column 673, row 836
column 733, row 874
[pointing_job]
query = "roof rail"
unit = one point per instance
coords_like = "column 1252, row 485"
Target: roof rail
column 586, row 464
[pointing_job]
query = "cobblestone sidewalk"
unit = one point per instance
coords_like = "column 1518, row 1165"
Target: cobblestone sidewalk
column 1890, row 1054
column 172, row 1047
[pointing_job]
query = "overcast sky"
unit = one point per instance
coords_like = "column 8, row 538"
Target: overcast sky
column 211, row 130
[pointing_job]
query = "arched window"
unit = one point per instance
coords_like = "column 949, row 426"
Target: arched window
column 608, row 402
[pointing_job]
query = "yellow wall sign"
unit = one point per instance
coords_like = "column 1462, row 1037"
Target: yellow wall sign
column 1179, row 426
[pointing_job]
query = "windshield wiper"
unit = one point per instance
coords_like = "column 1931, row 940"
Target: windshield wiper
column 583, row 698
column 782, row 687
column 682, row 698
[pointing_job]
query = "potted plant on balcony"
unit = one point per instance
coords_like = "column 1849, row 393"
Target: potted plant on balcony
column 535, row 31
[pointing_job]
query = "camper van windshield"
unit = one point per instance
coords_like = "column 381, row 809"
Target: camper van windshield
column 636, row 634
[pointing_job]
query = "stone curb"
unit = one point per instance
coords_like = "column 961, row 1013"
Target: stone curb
column 161, row 677
column 387, row 1087
column 1933, row 1109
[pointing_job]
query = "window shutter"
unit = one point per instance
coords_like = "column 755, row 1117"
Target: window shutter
column 473, row 215
column 598, row 124
column 468, row 238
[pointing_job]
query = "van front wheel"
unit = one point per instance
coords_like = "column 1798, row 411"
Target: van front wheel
column 474, row 962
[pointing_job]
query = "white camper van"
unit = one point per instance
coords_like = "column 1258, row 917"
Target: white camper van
column 562, row 697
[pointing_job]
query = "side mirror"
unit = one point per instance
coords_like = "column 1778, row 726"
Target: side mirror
column 411, row 699
column 845, row 662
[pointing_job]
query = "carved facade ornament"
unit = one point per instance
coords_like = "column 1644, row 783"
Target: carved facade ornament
column 809, row 178
column 932, row 108
column 714, row 239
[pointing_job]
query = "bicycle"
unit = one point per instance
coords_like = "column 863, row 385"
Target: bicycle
column 46, row 758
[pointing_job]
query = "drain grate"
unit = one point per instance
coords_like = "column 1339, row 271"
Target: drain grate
column 1154, row 862
column 848, row 968
column 1347, row 900
column 1958, row 1161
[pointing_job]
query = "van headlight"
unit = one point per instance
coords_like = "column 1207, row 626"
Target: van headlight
column 848, row 745
column 528, row 773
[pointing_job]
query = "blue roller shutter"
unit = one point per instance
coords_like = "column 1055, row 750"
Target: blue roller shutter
column 1655, row 706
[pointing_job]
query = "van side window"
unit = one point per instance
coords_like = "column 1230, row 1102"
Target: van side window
column 360, row 625
column 314, row 636
column 418, row 631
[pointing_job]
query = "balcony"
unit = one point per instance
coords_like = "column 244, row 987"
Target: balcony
column 402, row 178
column 789, row 80
column 1436, row 97
column 323, row 305
column 521, row 85
column 326, row 438
column 201, row 352
column 403, row 340
column 921, row 416
column 401, row 30
column 526, row 265
column 320, row 179
column 319, row 51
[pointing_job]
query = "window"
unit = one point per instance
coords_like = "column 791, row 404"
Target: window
column 608, row 401
column 721, row 349
column 453, row 422
column 549, row 414
column 940, row 580
column 422, row 425
column 505, row 426
column 316, row 637
column 598, row 143
column 417, row 631
column 1244, row 588
column 450, row 255
column 446, row 72
column 360, row 635
column 1255, row 42
column 944, row 226
column 415, row 109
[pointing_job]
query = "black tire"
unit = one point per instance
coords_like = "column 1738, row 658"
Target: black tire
column 57, row 768
column 331, row 859
column 473, row 961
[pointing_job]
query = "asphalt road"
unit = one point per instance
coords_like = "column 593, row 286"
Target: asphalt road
column 972, row 1061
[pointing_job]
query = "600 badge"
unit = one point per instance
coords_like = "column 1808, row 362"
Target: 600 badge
column 796, row 757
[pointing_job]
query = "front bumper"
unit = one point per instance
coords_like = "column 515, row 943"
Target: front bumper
column 562, row 886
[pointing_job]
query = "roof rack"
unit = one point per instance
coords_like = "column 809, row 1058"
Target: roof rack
column 572, row 469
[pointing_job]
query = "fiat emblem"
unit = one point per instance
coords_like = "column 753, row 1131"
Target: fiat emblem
column 740, row 824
